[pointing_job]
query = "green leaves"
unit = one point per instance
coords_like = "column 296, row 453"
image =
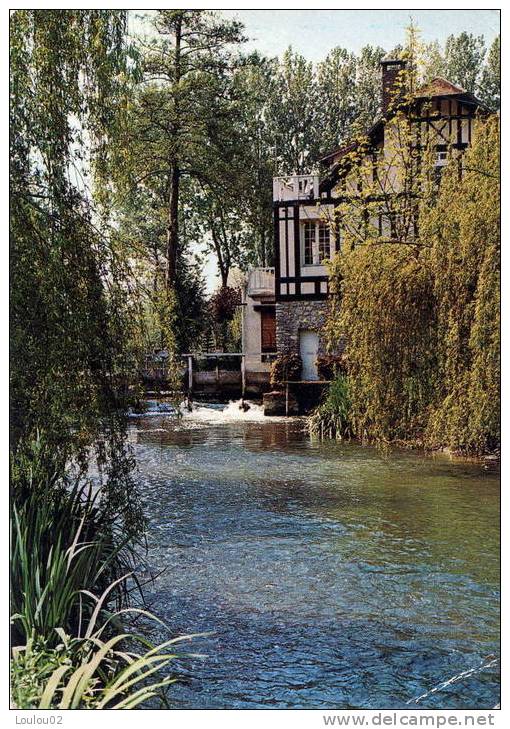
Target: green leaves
column 420, row 314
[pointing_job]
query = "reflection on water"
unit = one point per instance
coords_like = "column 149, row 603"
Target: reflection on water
column 332, row 575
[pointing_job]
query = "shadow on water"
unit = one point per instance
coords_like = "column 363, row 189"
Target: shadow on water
column 332, row 575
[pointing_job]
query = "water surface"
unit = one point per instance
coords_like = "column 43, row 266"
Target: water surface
column 332, row 575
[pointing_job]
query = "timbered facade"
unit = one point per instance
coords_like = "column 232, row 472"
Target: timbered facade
column 307, row 229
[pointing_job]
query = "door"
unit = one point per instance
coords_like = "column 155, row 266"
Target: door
column 308, row 348
column 268, row 330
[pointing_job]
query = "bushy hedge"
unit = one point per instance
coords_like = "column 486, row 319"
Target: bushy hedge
column 286, row 367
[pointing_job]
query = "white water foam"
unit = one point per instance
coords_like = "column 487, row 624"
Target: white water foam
column 234, row 411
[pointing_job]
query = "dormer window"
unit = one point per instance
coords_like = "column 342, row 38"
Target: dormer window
column 441, row 155
column 316, row 242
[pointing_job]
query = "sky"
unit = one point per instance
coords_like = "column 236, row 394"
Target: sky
column 313, row 33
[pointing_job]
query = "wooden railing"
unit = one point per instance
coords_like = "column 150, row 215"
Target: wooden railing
column 295, row 187
column 261, row 281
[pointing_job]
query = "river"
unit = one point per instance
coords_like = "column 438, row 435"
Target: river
column 329, row 575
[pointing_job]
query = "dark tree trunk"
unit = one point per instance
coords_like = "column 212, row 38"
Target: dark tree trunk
column 263, row 256
column 172, row 239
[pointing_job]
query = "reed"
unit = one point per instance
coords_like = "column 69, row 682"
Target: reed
column 331, row 419
column 72, row 583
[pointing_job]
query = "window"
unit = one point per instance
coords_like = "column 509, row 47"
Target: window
column 309, row 242
column 323, row 241
column 316, row 242
column 441, row 155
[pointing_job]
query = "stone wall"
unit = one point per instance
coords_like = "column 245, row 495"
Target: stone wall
column 291, row 316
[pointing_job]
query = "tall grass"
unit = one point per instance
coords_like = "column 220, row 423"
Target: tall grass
column 60, row 549
column 331, row 419
column 72, row 578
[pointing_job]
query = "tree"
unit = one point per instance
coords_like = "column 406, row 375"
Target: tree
column 368, row 86
column 336, row 102
column 179, row 104
column 382, row 304
column 216, row 222
column 418, row 305
column 464, row 231
column 69, row 315
column 292, row 114
column 254, row 176
column 142, row 230
column 464, row 55
column 490, row 83
column 415, row 290
column 461, row 61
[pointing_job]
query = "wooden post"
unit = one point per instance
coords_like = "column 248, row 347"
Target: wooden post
column 190, row 374
column 243, row 378
column 287, row 398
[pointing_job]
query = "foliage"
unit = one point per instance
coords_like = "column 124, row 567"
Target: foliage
column 386, row 315
column 91, row 672
column 464, row 230
column 71, row 584
column 64, row 539
column 348, row 94
column 292, row 110
column 177, row 114
column 418, row 308
column 332, row 418
column 490, row 83
column 415, row 288
column 286, row 367
column 225, row 302
column 464, row 61
column 69, row 314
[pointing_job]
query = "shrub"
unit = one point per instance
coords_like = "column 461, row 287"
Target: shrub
column 332, row 418
column 329, row 366
column 92, row 672
column 224, row 303
column 285, row 367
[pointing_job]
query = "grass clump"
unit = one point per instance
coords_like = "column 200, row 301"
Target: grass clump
column 332, row 418
column 74, row 595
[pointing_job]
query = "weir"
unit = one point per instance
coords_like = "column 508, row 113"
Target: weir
column 209, row 373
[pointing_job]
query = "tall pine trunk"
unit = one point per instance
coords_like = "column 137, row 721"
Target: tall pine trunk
column 172, row 238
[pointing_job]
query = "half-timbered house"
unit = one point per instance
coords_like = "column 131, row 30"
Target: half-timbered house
column 307, row 233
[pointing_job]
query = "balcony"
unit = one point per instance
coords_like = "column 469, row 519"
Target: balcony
column 261, row 283
column 295, row 187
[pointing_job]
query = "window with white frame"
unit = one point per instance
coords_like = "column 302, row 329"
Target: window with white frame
column 316, row 242
column 308, row 243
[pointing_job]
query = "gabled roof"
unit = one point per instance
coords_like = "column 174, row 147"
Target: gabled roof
column 436, row 88
column 439, row 87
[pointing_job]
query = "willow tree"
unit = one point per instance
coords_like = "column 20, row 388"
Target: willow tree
column 415, row 287
column 416, row 294
column 464, row 232
column 68, row 281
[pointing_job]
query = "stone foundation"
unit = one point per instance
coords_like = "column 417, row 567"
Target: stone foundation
column 291, row 316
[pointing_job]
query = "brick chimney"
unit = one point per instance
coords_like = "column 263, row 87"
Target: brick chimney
column 391, row 67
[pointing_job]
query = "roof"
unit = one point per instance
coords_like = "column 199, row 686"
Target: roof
column 439, row 87
column 435, row 88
